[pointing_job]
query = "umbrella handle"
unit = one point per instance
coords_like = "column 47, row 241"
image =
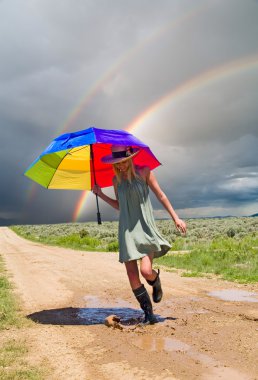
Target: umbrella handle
column 94, row 176
column 98, row 213
column 99, row 218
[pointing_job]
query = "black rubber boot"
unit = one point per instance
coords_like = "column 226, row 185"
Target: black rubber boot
column 143, row 298
column 157, row 291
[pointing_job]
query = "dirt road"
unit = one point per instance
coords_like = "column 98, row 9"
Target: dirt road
column 69, row 293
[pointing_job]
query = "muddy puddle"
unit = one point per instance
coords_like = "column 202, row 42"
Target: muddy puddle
column 234, row 295
column 95, row 312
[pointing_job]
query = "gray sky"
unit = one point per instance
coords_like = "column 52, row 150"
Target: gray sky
column 193, row 64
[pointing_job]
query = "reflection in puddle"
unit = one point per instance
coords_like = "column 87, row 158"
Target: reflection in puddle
column 150, row 343
column 94, row 301
column 97, row 315
column 96, row 311
column 235, row 295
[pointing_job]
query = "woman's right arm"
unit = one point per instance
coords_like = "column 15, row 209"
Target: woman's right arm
column 112, row 202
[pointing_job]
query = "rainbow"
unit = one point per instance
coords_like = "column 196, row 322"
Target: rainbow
column 206, row 78
column 98, row 86
column 31, row 193
column 79, row 206
column 184, row 89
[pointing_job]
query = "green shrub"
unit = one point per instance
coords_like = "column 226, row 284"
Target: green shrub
column 231, row 232
column 113, row 246
column 83, row 233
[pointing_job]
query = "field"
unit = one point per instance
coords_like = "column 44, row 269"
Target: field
column 227, row 247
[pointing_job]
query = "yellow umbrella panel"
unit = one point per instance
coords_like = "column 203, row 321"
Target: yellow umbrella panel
column 66, row 169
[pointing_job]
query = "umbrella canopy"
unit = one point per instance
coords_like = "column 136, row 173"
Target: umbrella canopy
column 73, row 160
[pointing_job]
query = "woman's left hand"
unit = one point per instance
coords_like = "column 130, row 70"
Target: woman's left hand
column 180, row 225
column 97, row 190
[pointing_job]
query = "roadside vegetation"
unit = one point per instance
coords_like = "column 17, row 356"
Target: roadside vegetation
column 13, row 364
column 227, row 247
column 8, row 307
column 233, row 260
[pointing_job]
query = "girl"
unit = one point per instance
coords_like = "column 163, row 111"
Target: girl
column 138, row 236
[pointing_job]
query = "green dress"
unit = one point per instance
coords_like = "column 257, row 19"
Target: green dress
column 138, row 235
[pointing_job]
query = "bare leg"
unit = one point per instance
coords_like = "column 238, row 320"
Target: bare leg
column 152, row 277
column 146, row 268
column 133, row 274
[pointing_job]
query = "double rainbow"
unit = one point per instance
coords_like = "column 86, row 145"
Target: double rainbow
column 196, row 83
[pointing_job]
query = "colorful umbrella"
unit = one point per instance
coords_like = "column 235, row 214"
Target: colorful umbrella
column 73, row 160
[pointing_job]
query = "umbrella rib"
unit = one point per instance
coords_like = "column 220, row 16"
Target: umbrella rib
column 75, row 151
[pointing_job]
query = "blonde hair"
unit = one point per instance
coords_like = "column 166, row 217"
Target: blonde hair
column 131, row 173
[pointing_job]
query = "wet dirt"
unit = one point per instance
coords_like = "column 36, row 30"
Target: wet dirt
column 235, row 295
column 153, row 344
column 69, row 294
